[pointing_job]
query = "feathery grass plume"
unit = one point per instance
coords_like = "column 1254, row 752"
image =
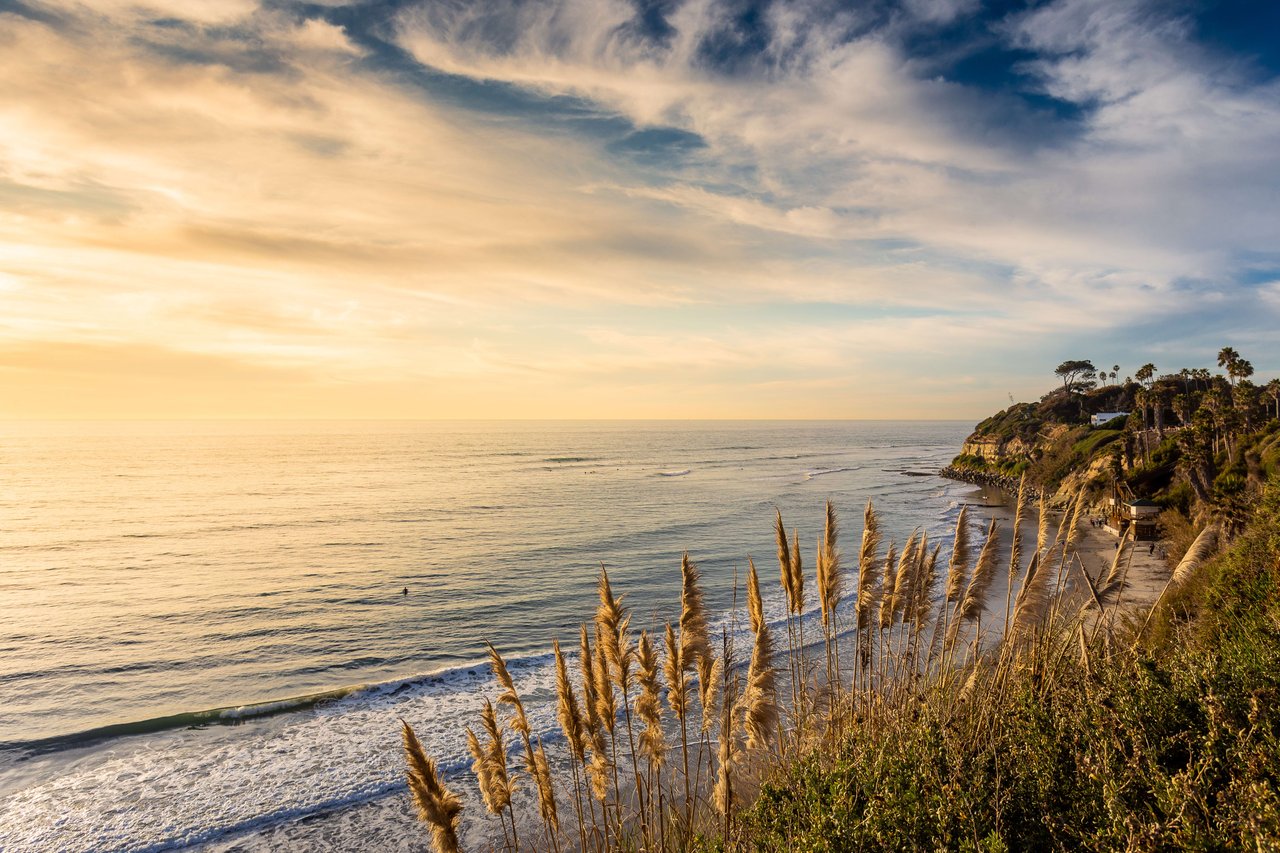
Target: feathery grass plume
column 653, row 743
column 958, row 568
column 437, row 806
column 971, row 683
column 1068, row 530
column 1074, row 530
column 709, row 672
column 607, row 714
column 755, row 605
column 606, row 699
column 730, row 748
column 677, row 676
column 694, row 638
column 797, row 573
column 868, row 565
column 1201, row 549
column 784, row 561
column 598, row 769
column 896, row 601
column 611, row 632
column 1125, row 549
column 730, row 752
column 613, row 641
column 975, row 594
column 889, row 585
column 832, row 581
column 1015, row 550
column 496, row 758
column 520, row 724
column 587, row 660
column 1042, row 525
column 480, row 767
column 571, row 722
column 1067, row 511
column 1109, row 592
column 796, row 658
column 1084, row 652
column 509, row 696
column 927, row 577
column 490, row 763
column 567, row 710
column 820, row 579
column 541, row 772
column 1032, row 602
column 760, row 699
column 677, row 672
column 501, row 784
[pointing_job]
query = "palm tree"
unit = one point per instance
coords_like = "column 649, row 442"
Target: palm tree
column 1182, row 408
column 1159, row 401
column 1145, row 374
column 1227, row 358
column 1243, row 369
column 1142, row 400
column 1245, row 397
column 1273, row 391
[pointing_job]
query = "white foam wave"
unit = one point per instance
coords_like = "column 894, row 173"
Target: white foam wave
column 822, row 472
column 188, row 788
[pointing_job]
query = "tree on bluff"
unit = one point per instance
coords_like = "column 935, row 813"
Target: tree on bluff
column 1076, row 375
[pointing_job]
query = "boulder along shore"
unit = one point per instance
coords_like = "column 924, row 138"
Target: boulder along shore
column 1002, row 482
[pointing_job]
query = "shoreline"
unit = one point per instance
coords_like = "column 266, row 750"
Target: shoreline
column 1147, row 572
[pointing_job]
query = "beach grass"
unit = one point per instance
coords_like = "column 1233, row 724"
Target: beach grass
column 1088, row 725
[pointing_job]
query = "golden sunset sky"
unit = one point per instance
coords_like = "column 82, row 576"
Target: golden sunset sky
column 227, row 208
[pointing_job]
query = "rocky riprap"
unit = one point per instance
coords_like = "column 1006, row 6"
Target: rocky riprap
column 987, row 478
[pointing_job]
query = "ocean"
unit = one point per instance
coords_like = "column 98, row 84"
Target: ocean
column 212, row 629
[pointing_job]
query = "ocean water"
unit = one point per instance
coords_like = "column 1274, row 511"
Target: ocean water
column 206, row 642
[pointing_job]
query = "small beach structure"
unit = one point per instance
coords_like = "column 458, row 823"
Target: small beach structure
column 1140, row 514
column 1106, row 417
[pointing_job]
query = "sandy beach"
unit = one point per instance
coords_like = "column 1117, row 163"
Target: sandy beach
column 1147, row 573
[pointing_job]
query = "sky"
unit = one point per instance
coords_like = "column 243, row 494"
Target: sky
column 626, row 208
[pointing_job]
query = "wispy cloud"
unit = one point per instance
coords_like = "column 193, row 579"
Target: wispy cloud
column 550, row 201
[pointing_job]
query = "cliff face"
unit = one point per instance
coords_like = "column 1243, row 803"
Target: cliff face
column 1056, row 456
column 1200, row 445
column 996, row 449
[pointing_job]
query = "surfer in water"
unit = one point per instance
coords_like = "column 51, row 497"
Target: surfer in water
column 406, row 591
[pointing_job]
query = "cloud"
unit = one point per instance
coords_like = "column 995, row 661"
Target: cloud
column 544, row 198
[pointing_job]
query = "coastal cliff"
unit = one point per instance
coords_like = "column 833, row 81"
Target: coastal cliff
column 1202, row 451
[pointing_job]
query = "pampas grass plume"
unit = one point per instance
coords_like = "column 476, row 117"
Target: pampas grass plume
column 437, row 806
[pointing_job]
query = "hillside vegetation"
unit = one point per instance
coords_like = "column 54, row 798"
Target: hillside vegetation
column 1192, row 441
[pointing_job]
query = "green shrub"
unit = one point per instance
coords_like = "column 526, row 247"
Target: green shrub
column 1173, row 746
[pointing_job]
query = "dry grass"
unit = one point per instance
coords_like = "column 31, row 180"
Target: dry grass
column 685, row 779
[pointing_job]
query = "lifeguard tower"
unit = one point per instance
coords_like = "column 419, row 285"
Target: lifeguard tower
column 1140, row 514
